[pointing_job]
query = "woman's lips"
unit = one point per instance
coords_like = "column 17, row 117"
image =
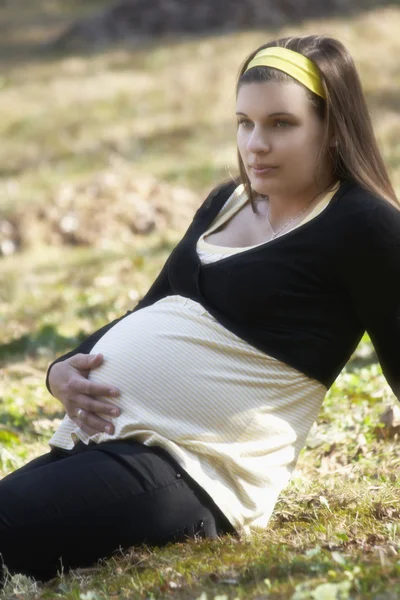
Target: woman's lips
column 262, row 170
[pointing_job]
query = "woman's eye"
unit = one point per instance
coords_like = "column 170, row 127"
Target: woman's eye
column 280, row 124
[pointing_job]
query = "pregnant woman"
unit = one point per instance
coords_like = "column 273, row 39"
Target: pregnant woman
column 186, row 416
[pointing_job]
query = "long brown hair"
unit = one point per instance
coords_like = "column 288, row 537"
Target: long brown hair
column 356, row 156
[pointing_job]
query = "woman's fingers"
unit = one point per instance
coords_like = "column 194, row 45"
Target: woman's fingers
column 85, row 362
column 93, row 405
column 70, row 384
column 92, row 423
column 93, row 414
column 90, row 388
column 86, row 428
column 69, row 377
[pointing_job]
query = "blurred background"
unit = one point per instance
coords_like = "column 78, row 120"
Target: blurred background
column 116, row 121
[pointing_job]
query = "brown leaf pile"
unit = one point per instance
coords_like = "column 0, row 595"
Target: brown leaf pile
column 111, row 208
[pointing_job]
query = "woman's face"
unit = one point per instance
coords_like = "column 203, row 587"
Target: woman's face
column 279, row 129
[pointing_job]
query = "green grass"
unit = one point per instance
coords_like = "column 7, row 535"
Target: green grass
column 167, row 112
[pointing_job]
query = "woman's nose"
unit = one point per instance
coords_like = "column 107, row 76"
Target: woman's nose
column 258, row 142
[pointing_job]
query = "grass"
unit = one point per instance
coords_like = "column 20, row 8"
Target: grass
column 167, row 111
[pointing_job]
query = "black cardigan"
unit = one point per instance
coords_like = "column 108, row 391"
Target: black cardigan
column 306, row 297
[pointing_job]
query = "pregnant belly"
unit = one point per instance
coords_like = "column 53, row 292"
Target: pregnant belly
column 179, row 370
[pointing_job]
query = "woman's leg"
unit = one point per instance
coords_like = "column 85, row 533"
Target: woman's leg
column 40, row 461
column 70, row 512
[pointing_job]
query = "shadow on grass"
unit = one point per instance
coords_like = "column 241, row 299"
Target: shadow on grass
column 30, row 344
column 64, row 25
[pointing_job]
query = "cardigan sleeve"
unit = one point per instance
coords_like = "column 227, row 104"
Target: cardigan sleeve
column 371, row 273
column 160, row 289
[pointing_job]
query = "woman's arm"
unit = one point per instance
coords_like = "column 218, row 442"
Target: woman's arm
column 371, row 273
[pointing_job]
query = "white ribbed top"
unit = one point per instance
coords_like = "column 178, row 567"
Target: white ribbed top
column 233, row 417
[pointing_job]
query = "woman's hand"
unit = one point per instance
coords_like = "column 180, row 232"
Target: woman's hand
column 69, row 383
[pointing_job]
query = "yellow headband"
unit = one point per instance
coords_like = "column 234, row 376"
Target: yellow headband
column 293, row 63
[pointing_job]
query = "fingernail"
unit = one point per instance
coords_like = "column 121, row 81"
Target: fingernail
column 115, row 413
column 114, row 392
column 108, row 429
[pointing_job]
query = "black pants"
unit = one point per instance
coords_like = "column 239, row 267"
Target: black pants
column 67, row 509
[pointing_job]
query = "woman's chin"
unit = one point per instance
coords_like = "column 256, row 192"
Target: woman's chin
column 263, row 190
